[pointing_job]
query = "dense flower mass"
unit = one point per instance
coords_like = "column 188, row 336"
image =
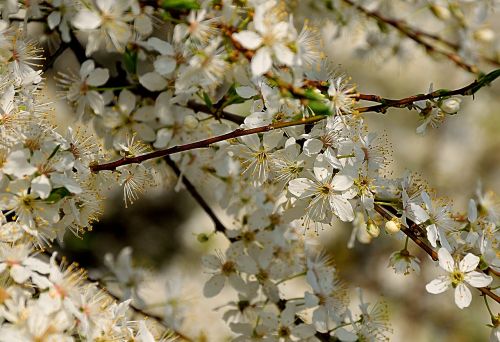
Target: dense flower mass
column 302, row 157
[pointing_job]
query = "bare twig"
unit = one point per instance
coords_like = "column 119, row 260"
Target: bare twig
column 219, row 226
column 416, row 36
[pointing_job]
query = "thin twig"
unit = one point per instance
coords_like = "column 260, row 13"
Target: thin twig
column 468, row 90
column 219, row 226
column 407, row 31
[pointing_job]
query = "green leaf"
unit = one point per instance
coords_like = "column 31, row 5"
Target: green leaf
column 180, row 4
column 207, row 100
column 57, row 194
column 130, row 60
column 320, row 107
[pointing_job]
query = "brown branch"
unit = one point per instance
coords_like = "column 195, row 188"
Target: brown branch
column 385, row 103
column 416, row 37
column 388, row 212
column 219, row 226
column 202, row 143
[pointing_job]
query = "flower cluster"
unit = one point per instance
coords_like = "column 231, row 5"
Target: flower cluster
column 303, row 158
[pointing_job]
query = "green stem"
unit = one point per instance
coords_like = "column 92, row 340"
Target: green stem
column 488, row 307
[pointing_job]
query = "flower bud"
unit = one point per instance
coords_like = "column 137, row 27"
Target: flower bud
column 484, row 35
column 440, row 12
column 372, row 229
column 451, row 105
column 202, row 237
column 190, row 122
column 393, row 226
column 363, row 236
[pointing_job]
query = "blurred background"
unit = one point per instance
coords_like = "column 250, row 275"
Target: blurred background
column 162, row 228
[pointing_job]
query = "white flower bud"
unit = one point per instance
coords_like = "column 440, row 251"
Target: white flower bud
column 393, row 226
column 372, row 229
column 451, row 105
column 190, row 122
column 484, row 35
column 440, row 12
column 363, row 236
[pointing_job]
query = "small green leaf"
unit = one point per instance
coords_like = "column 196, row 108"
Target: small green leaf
column 130, row 60
column 320, row 107
column 207, row 100
column 57, row 194
column 180, row 4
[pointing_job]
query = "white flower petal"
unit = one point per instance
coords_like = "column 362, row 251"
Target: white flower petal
column 164, row 65
column 86, row 68
column 86, row 20
column 469, row 263
column 19, row 274
column 248, row 39
column 342, row 208
column 252, row 141
column 432, row 234
column 438, row 285
column 153, row 81
column 463, row 297
column 163, row 137
column 126, row 101
column 445, row 260
column 17, row 164
column 144, row 131
column 303, row 331
column 271, row 139
column 98, row 77
column 312, row 147
column 284, row 54
column 161, row 46
column 345, row 336
column 54, row 19
column 214, row 285
column 41, row 186
column 342, row 182
column 246, row 92
column 420, row 214
column 472, row 212
column 211, row 261
column 478, row 279
column 261, row 62
column 301, row 187
column 323, row 170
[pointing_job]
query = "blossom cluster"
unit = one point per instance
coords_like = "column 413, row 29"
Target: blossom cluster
column 311, row 161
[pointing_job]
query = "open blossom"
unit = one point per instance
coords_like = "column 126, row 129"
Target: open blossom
column 459, row 275
column 439, row 221
column 327, row 191
column 270, row 38
column 80, row 88
column 107, row 23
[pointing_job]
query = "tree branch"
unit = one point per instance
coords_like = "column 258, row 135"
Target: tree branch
column 202, row 143
column 468, row 90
